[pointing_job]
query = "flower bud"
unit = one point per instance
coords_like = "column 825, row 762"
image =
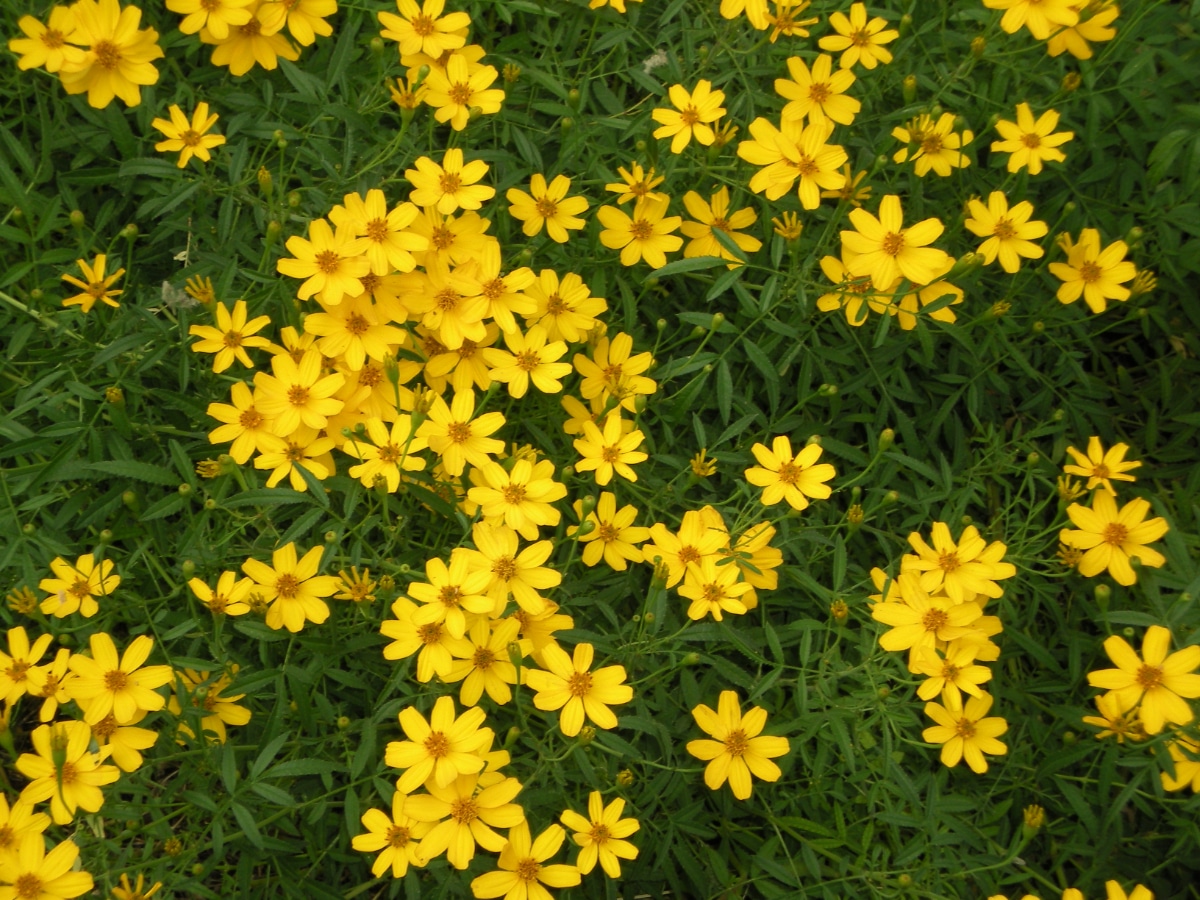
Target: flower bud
column 37, row 293
column 114, row 395
column 566, row 124
column 29, row 528
column 690, row 659
column 130, row 501
column 293, row 200
column 1032, row 458
column 511, row 73
column 625, row 778
column 1038, row 327
column 910, row 88
column 376, row 46
column 573, row 99
column 1069, row 738
column 813, row 439
column 698, row 332
column 661, row 325
column 331, row 537
column 185, row 490
column 129, row 232
column 978, row 45
column 827, row 390
column 887, row 437
column 585, row 528
column 586, row 735
column 718, row 320
column 884, row 692
column 197, row 870
column 891, row 497
column 904, row 880
column 510, row 737
column 1034, row 818
column 343, row 722
column 76, row 218
column 662, row 574
column 839, row 611
column 188, row 568
column 1071, row 82
column 274, row 230
column 265, row 182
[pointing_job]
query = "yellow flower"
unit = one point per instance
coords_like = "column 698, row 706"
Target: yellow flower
column 396, row 836
column 107, row 683
column 1008, row 231
column 244, row 425
column 451, row 592
column 1116, row 892
column 547, row 205
column 567, row 684
column 618, row 5
column 635, row 184
column 1101, row 467
column 740, row 750
column 488, row 667
column 756, row 11
column 458, row 436
column 796, row 151
column 229, row 598
column 123, row 743
column 46, row 46
column 204, row 693
column 1031, row 141
column 126, row 892
column 464, row 813
column 1185, row 754
column 885, row 249
column 786, row 19
column 692, row 116
column 531, row 359
column 437, row 646
column 118, row 59
column 456, row 91
column 1041, row 17
column 818, row 94
column 257, row 41
column 964, row 732
column 331, row 263
column 62, row 771
column 935, row 145
column 612, row 373
column 609, row 450
column 702, row 465
column 965, row 571
column 520, row 496
column 522, row 869
column 214, row 15
column 520, row 574
column 1111, row 536
column 1098, row 275
column 231, row 337
column 919, row 620
column 1074, row 40
column 602, row 835
column 951, row 671
column 16, row 664
column 645, row 235
column 200, row 290
column 788, row 225
column 188, row 138
column 292, row 587
column 384, row 236
column 786, row 477
column 305, row 19
column 1117, row 719
column 438, row 750
column 97, row 287
column 52, row 684
column 76, row 587
column 715, row 216
column 859, row 40
column 1157, row 684
column 714, row 590
column 53, row 875
column 850, row 192
column 613, row 537
column 297, row 393
column 699, row 539
column 450, row 186
column 392, row 452
column 421, row 28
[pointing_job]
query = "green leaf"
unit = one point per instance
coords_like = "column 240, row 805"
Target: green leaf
column 695, row 264
column 140, row 471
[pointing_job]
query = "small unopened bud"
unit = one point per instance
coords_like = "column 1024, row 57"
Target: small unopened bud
column 718, row 320
column 37, row 293
column 28, row 528
column 1034, row 818
column 827, row 390
column 331, row 537
column 813, row 439
column 1071, row 82
column 343, row 722
column 1069, row 738
column 854, row 516
column 188, row 568
column 274, row 230
column 625, row 778
column 910, row 88
column 566, row 124
column 891, row 497
column 586, row 735
column 387, row 583
column 76, row 218
column 172, row 846
column 511, row 73
column 510, row 737
column 573, row 99
column 1038, row 327
column 129, row 232
column 887, row 437
column 662, row 574
column 1133, row 237
column 377, row 46
column 978, row 45
column 586, row 505
column 905, row 880
column 884, row 692
column 293, row 199
column 185, row 490
column 210, row 504
column 277, row 134
column 698, row 332
column 640, row 146
column 690, row 659
column 197, row 870
column 114, row 395
column 839, row 610
column 585, row 528
column 17, row 214
column 1032, row 458
column 265, row 183
column 130, row 500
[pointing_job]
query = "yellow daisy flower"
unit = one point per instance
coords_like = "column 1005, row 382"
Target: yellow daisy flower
column 740, row 750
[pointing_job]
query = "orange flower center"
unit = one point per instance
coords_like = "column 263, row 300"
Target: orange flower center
column 484, row 658
column 965, row 729
column 504, row 568
column 690, row 116
column 1149, row 676
column 287, row 586
column 611, row 454
column 389, row 453
column 293, row 452
column 807, row 166
column 688, row 554
column 460, row 94
column 893, row 243
column 105, row 727
column 53, row 39
column 190, row 138
column 328, row 262
column 736, row 744
column 555, row 305
column 250, row 419
column 422, row 24
column 713, row 593
column 819, row 93
column 357, row 325
column 67, row 773
column 397, row 836
column 860, row 38
column 1115, row 533
column 116, row 680
column 641, row 230
column 441, row 237
column 546, row 208
column 17, row 671
column 599, row 832
column 447, row 299
column 108, row 54
column 450, row 183
column 251, row 29
column 789, row 473
column 27, row 886
column 514, row 494
column 449, row 596
column 370, row 376
column 948, row 562
column 297, row 395
column 527, row 869
column 430, row 634
column 377, row 231
column 934, row 619
column 1004, row 230
column 528, row 360
column 437, row 745
column 609, row 533
column 232, row 339
column 1090, row 272
column 79, row 588
column 580, row 684
column 459, row 432
column 464, row 811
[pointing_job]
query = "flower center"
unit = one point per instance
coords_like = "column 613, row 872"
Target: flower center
column 116, row 680
column 397, row 836
column 105, row 727
column 287, row 586
column 437, row 745
column 450, row 183
column 250, row 419
column 599, row 832
column 441, row 237
column 504, row 568
column 422, row 24
column 608, row 533
column 528, row 360
column 377, row 231
column 807, row 166
column 932, row 144
column 965, row 729
column 53, row 39
column 1004, row 230
column 948, row 562
column 460, row 94
column 190, row 138
column 297, row 395
column 79, row 588
column 611, row 454
column 389, row 453
column 1149, row 677
column 713, row 593
column 459, row 432
column 736, row 744
column 934, row 619
column 108, row 54
column 789, row 473
column 893, row 243
column 370, row 376
column 580, row 684
column 1115, row 533
column 464, row 811
column 1090, row 272
column 328, row 261
column 357, row 325
column 449, row 596
column 819, row 93
column 17, row 671
column 514, row 494
column 1032, row 141
column 28, row 886
column 688, row 554
column 430, row 634
column 641, row 230
column 528, row 868
column 546, row 208
column 484, row 658
column 447, row 299
column 251, row 29
column 690, row 116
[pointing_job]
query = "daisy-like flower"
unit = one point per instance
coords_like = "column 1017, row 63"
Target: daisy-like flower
column 451, row 592
column 523, row 870
column 787, row 20
column 965, row 732
column 715, row 216
column 698, row 539
column 885, row 249
column 1009, row 232
column 740, row 750
column 756, row 11
column 854, row 294
column 437, row 647
column 188, row 138
column 1111, row 536
column 1094, row 28
column 1041, row 17
column 75, row 588
column 920, row 620
column 396, row 836
column 547, row 205
column 1031, row 141
column 451, row 186
column 305, row 19
column 1117, row 719
column 961, row 571
column 521, row 497
column 244, row 424
column 119, row 57
column 256, row 42
column 137, row 891
column 601, row 835
column 1098, row 275
column 488, row 668
column 818, row 94
column 383, row 233
column 300, row 450
column 521, row 575
column 46, row 46
column 204, row 692
column 613, row 536
column 795, row 478
column 121, row 685
column 38, row 875
column 567, row 684
column 96, row 287
column 858, row 39
column 17, row 823
column 355, row 330
column 392, row 452
column 122, row 742
column 1185, row 754
column 692, row 117
column 933, row 145
column 564, row 307
column 612, row 372
column 464, row 813
column 850, row 192
column 51, row 683
column 530, row 358
column 714, row 590
column 421, row 28
column 62, row 771
column 292, row 587
column 454, row 92
column 951, row 672
column 331, row 263
column 459, row 437
column 1155, row 682
column 796, row 151
column 635, row 184
column 644, row 235
column 1101, row 467
column 231, row 337
column 297, row 394
column 440, row 749
column 214, row 15
column 610, row 450
column 16, row 664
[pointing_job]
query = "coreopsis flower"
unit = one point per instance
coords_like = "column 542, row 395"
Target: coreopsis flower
column 1041, row 17
column 1098, row 275
column 740, row 750
column 756, row 11
column 488, row 668
column 921, row 620
column 75, row 588
column 601, row 835
column 1101, row 467
column 435, row 647
column 788, row 225
column 713, row 216
column 231, row 336
column 858, row 39
column 383, row 234
column 697, row 540
column 244, row 424
column 819, row 93
column 521, row 497
column 1009, row 231
column 451, row 186
column 635, row 184
column 96, row 287
column 458, row 436
column 188, row 138
column 62, row 771
column 1185, row 754
column 795, row 151
column 214, row 15
column 17, row 823
column 292, row 587
column 15, row 665
column 1095, row 28
column 1157, row 684
column 258, row 41
column 331, row 262
column 530, row 358
column 123, row 742
column 118, row 59
column 961, row 570
column 933, row 145
column 397, row 837
column 451, row 592
column 850, row 192
column 795, row 478
column 702, row 465
column 121, row 685
column 613, row 536
column 201, row 290
column 854, row 294
column 438, row 750
column 454, row 92
column 1111, row 536
column 644, row 235
column 305, row 19
column 610, row 450
column 963, row 731
column 714, row 590
column 391, row 452
column 230, row 597
column 422, row 28
column 693, row 114
column 463, row 814
column 538, row 629
column 51, row 683
column 951, row 671
column 1118, row 718
column 908, row 305
column 136, row 892
column 611, row 372
column 297, row 394
column 567, row 683
column 355, row 330
column 523, row 870
column 205, row 693
column 520, row 574
column 38, row 875
column 885, row 249
column 787, row 20
column 47, row 46
column 1031, row 141
column 547, row 205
